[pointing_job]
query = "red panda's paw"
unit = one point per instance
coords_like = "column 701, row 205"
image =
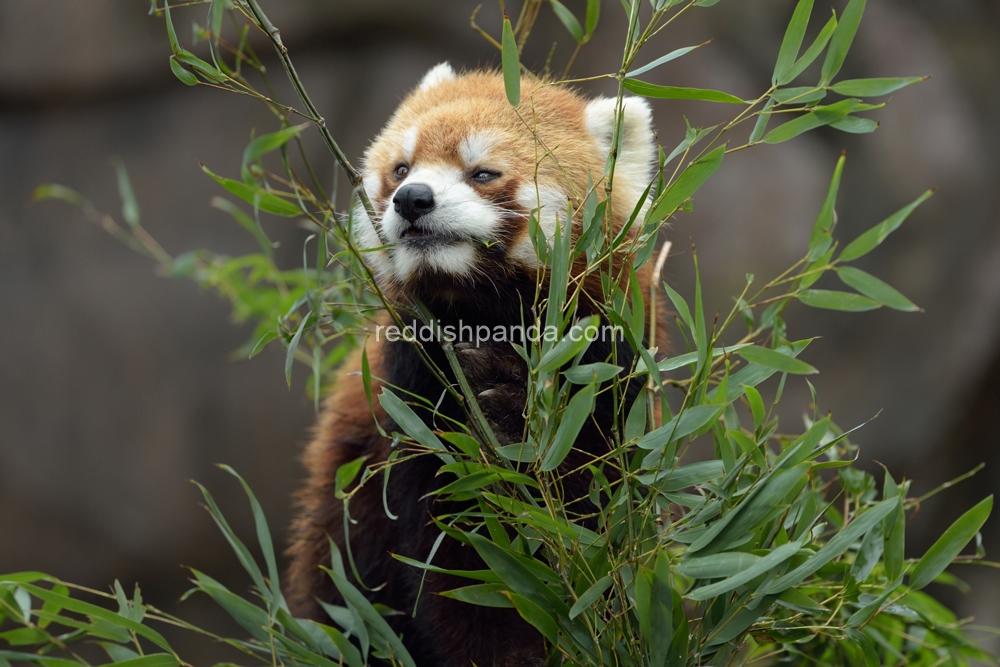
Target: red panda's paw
column 497, row 375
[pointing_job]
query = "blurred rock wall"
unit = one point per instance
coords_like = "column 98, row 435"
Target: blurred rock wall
column 117, row 385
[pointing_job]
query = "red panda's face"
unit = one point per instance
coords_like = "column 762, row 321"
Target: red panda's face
column 457, row 172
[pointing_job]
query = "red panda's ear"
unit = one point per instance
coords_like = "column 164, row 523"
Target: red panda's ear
column 437, row 74
column 634, row 166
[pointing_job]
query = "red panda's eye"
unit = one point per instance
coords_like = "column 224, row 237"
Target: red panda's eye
column 401, row 171
column 484, row 176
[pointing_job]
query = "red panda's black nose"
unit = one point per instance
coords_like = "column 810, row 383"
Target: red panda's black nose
column 413, row 200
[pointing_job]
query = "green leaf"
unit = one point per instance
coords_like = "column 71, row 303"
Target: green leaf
column 597, row 372
column 570, row 345
column 855, row 125
column 292, row 346
column 673, row 55
column 207, row 71
column 873, row 87
column 265, row 144
column 155, row 660
column 372, row 617
column 746, row 516
column 811, row 53
column 484, row 595
column 796, row 600
column 573, row 418
column 867, row 647
column 71, row 604
column 792, row 41
column 593, row 14
column 872, row 287
column 680, row 191
column 841, row 41
column 760, row 127
column 675, row 479
column 873, row 237
column 798, row 95
column 185, row 76
column 757, row 410
column 821, row 237
column 677, row 93
column 591, row 595
column 836, row 546
column 175, row 46
column 346, row 474
column 409, row 422
column 256, row 196
column 752, row 570
column 949, row 545
column 539, row 618
column 510, row 64
column 684, row 424
column 717, row 565
column 832, row 300
column 818, row 117
column 568, row 20
column 776, row 360
column 514, row 573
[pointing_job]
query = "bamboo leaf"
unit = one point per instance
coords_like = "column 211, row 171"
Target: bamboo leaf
column 673, row 55
column 811, row 53
column 510, row 64
column 872, row 287
column 678, row 93
column 832, row 300
column 682, row 189
column 818, row 117
column 949, row 545
column 873, row 87
column 776, row 360
column 568, row 20
column 573, row 418
column 591, row 595
column 873, row 237
column 792, row 41
column 841, row 41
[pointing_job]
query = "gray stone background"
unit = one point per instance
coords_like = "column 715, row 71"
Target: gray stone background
column 117, row 385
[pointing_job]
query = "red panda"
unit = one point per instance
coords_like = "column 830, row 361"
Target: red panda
column 453, row 178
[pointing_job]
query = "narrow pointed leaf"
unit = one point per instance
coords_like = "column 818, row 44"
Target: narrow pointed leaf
column 833, row 300
column 842, row 39
column 811, row 53
column 873, row 87
column 679, row 93
column 573, row 419
column 873, row 237
column 872, row 287
column 511, row 64
column 792, row 41
column 567, row 18
column 776, row 360
column 949, row 545
column 590, row 596
column 673, row 55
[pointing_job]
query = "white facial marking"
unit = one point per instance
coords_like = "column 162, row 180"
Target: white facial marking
column 366, row 237
column 552, row 204
column 409, row 144
column 475, row 148
column 437, row 74
column 634, row 166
